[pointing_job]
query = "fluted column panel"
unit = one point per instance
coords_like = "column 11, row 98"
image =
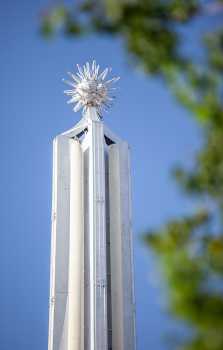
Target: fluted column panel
column 122, row 290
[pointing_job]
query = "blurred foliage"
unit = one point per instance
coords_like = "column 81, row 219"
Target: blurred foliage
column 189, row 250
column 147, row 27
column 191, row 263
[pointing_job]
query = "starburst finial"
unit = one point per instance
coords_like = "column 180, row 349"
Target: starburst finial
column 90, row 89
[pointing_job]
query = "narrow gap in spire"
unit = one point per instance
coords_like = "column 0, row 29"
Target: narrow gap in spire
column 108, row 141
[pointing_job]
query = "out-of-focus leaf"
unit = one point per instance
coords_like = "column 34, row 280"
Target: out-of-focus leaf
column 53, row 20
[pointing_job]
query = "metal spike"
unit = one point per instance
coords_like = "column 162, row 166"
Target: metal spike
column 80, row 71
column 102, row 76
column 113, row 80
column 77, row 107
column 74, row 77
column 69, row 83
column 73, row 99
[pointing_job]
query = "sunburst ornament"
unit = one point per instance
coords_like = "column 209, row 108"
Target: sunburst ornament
column 91, row 89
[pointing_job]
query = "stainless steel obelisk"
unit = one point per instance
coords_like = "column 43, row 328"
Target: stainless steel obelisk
column 92, row 304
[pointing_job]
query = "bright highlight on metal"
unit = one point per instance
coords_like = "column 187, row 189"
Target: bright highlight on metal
column 90, row 89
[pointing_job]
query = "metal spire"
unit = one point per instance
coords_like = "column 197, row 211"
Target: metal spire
column 90, row 89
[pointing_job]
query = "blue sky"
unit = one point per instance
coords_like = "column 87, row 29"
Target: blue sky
column 33, row 110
